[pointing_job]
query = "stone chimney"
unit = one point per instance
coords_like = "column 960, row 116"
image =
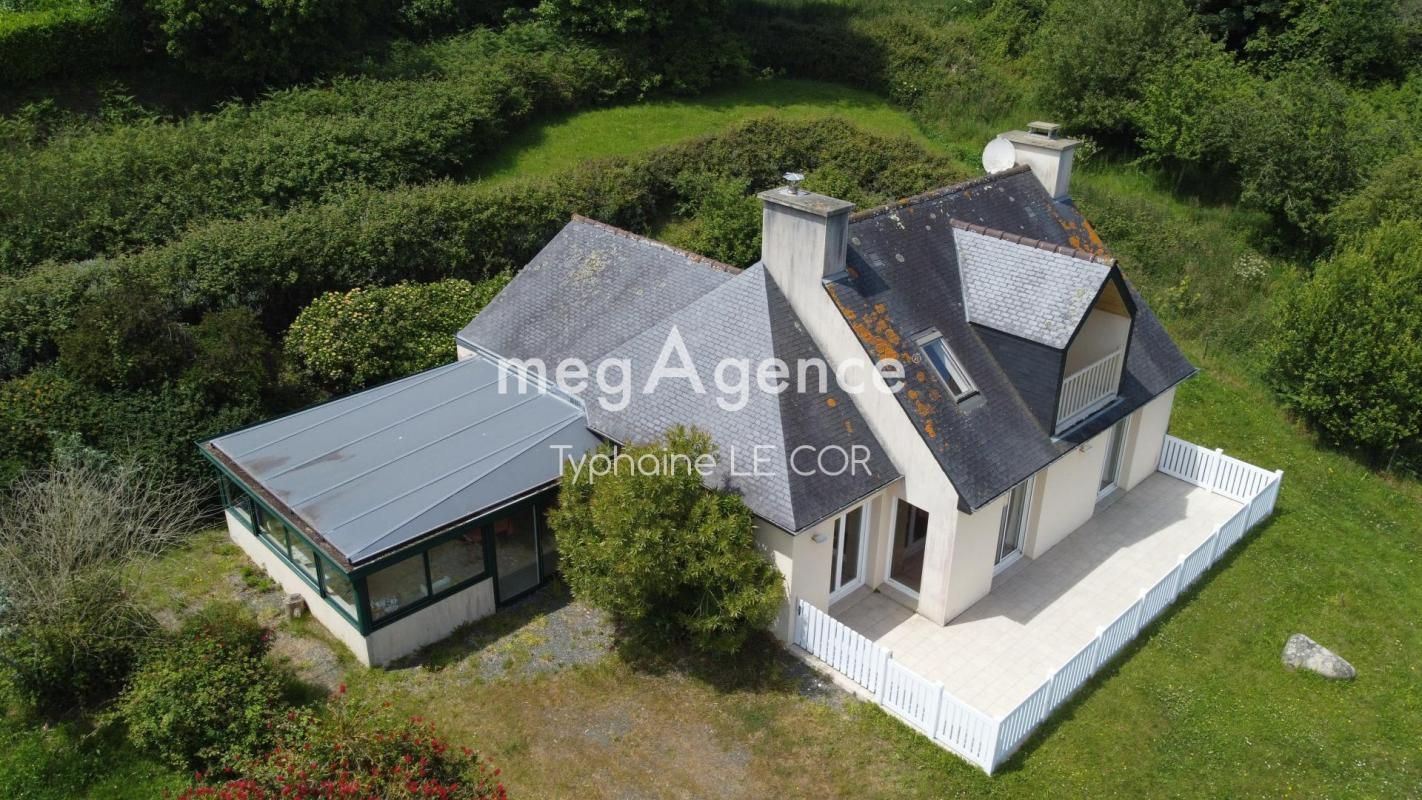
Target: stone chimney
column 804, row 236
column 1042, row 148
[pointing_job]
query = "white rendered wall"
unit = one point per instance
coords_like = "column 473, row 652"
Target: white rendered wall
column 924, row 484
column 1102, row 333
column 385, row 644
column 431, row 623
column 778, row 546
column 1066, row 494
column 293, row 583
column 974, row 548
column 1147, row 436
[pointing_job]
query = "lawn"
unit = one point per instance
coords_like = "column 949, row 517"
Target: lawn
column 563, row 142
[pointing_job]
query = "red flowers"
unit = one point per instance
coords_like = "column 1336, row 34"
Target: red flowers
column 352, row 751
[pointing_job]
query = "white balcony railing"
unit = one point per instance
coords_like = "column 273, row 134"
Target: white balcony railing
column 1089, row 389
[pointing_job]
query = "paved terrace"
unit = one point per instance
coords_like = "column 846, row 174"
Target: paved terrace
column 1041, row 612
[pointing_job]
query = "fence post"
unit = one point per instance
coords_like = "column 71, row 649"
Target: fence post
column 1179, row 573
column 994, row 756
column 1213, row 471
column 1136, row 619
column 1215, row 544
column 1096, row 653
column 937, row 711
column 796, row 623
column 881, row 673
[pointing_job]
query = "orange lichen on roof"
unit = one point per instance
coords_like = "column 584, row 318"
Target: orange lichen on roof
column 831, row 402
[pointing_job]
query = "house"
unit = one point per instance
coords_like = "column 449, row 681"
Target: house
column 1012, row 457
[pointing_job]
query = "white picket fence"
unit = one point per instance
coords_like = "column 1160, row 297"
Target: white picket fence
column 987, row 741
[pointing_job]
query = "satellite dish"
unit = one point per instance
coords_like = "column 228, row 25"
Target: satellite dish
column 999, row 155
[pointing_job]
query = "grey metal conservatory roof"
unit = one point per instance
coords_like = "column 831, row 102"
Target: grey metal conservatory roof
column 370, row 472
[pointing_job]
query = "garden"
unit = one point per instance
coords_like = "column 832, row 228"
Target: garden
column 183, row 236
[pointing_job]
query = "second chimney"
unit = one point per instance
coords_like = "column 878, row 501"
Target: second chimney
column 804, row 236
column 1042, row 148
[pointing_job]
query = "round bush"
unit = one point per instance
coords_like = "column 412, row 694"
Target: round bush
column 209, row 693
column 666, row 556
column 345, row 341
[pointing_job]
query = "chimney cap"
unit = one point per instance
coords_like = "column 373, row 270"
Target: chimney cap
column 793, row 179
column 808, row 202
column 1047, row 129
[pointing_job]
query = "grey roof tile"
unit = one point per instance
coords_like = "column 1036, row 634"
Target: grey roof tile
column 1024, row 290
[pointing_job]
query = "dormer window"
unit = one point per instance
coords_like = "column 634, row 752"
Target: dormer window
column 949, row 369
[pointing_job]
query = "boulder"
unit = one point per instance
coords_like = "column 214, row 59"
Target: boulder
column 1301, row 652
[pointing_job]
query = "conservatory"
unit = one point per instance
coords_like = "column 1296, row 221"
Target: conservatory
column 404, row 511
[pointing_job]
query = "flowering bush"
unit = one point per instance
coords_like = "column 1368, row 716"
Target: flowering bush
column 346, row 341
column 354, row 751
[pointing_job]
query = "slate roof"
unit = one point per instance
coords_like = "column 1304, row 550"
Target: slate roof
column 597, row 293
column 904, row 276
column 589, row 289
column 372, row 471
column 748, row 318
column 1035, row 294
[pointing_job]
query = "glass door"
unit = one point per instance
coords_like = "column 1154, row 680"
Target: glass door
column 515, row 538
column 906, row 548
column 1012, row 528
column 847, row 567
column 1111, row 470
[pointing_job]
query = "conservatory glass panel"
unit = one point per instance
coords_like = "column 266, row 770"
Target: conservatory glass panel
column 397, row 586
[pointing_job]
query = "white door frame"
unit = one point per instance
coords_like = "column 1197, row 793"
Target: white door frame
column 1028, row 488
column 1118, row 433
column 837, row 553
column 889, row 548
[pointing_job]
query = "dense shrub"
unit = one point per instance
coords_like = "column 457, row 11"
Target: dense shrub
column 724, row 219
column 66, row 37
column 666, row 556
column 127, row 186
column 72, row 659
column 353, row 750
column 73, row 539
column 128, row 341
column 1393, row 193
column 1347, row 352
column 345, row 341
column 441, row 17
column 208, row 693
column 277, row 265
column 245, row 43
column 1093, row 57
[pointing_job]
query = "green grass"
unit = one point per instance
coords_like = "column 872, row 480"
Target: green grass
column 564, row 142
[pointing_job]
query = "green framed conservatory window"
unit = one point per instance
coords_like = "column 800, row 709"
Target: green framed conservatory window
column 339, row 590
column 457, row 560
column 303, row 556
column 398, row 586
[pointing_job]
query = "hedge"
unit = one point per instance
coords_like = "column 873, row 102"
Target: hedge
column 430, row 113
column 68, row 38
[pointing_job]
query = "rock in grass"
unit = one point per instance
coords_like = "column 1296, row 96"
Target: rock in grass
column 1301, row 652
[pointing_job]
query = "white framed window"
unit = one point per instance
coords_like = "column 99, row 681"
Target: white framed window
column 949, row 369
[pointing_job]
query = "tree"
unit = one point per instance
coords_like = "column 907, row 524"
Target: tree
column 346, row 341
column 249, row 43
column 1093, row 57
column 666, row 556
column 73, row 541
column 1393, row 193
column 1346, row 354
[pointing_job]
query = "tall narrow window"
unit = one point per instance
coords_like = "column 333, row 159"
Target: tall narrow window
column 949, row 370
